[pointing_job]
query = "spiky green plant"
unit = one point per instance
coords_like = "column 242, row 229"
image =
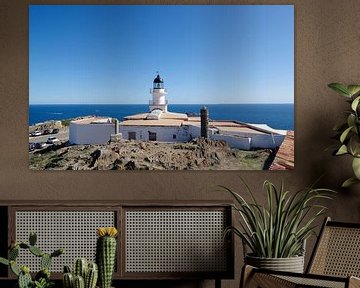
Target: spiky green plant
column 85, row 274
column 106, row 254
column 42, row 278
column 348, row 132
column 279, row 229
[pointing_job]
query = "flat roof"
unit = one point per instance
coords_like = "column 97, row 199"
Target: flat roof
column 92, row 120
column 242, row 129
column 164, row 115
column 137, row 116
column 161, row 122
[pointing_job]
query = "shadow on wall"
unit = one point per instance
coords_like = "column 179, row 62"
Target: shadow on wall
column 317, row 148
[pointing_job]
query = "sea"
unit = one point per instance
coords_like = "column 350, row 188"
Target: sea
column 277, row 116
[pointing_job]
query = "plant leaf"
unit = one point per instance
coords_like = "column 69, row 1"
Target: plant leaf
column 356, row 167
column 345, row 134
column 355, row 103
column 353, row 89
column 354, row 145
column 351, row 120
column 349, row 182
column 4, row 261
column 340, row 88
column 342, row 150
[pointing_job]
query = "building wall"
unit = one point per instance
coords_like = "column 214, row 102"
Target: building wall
column 164, row 134
column 266, row 141
column 243, row 143
column 90, row 133
column 194, row 131
column 326, row 50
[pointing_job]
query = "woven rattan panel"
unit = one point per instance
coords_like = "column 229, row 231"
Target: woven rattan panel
column 338, row 253
column 312, row 282
column 175, row 241
column 75, row 231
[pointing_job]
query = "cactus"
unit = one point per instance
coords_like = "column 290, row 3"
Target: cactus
column 4, row 261
column 45, row 261
column 105, row 255
column 42, row 278
column 14, row 268
column 24, row 277
column 80, row 267
column 32, row 239
column 91, row 276
column 36, row 251
column 67, row 269
column 90, row 272
column 79, row 282
column 24, row 245
column 24, row 280
column 57, row 252
column 44, row 273
column 13, row 253
column 68, row 280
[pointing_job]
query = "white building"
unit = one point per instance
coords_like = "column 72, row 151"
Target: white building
column 91, row 130
column 161, row 125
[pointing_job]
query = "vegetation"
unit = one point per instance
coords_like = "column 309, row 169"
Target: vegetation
column 348, row 132
column 66, row 122
column 280, row 229
column 106, row 254
column 42, row 278
column 85, row 275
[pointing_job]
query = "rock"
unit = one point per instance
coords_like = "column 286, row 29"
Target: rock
column 130, row 165
column 138, row 155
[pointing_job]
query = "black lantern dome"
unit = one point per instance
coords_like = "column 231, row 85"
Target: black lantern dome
column 158, row 82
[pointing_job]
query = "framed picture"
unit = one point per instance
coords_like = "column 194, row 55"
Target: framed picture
column 161, row 87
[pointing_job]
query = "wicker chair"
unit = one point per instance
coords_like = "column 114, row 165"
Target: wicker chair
column 334, row 263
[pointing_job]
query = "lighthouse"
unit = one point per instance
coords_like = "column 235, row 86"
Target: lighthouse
column 158, row 95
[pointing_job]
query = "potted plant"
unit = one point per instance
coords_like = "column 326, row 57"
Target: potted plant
column 276, row 233
column 349, row 131
column 84, row 274
column 106, row 254
column 42, row 278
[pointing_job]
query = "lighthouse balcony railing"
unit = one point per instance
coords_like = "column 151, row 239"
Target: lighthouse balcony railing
column 151, row 102
column 156, row 89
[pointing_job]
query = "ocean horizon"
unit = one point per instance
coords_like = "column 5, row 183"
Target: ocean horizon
column 277, row 116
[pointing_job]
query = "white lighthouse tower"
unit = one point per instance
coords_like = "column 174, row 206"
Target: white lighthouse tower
column 158, row 92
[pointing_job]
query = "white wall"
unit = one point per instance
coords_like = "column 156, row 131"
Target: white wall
column 186, row 133
column 267, row 141
column 194, row 131
column 243, row 143
column 90, row 133
column 163, row 134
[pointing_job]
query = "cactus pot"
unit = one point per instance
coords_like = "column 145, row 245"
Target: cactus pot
column 291, row 264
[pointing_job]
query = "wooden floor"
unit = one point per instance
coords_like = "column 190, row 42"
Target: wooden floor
column 284, row 159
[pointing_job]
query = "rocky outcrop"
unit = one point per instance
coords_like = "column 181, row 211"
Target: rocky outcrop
column 199, row 154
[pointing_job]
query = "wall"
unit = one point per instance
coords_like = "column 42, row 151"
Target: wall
column 90, row 133
column 266, row 141
column 327, row 50
column 234, row 141
column 164, row 134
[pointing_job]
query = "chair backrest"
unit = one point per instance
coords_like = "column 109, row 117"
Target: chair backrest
column 337, row 251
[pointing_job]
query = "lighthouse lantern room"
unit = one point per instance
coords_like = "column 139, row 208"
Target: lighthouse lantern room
column 158, row 93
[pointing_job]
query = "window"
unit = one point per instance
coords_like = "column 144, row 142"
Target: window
column 152, row 136
column 132, row 135
column 174, row 136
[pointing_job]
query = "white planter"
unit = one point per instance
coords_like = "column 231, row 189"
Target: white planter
column 291, row 264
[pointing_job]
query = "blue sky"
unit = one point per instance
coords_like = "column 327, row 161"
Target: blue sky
column 206, row 54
